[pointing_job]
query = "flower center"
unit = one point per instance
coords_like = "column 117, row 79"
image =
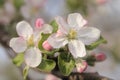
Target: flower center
column 30, row 41
column 72, row 34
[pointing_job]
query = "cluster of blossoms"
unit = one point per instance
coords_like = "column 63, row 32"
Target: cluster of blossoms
column 66, row 41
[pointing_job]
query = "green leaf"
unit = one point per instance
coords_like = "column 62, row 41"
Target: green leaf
column 65, row 63
column 18, row 60
column 50, row 53
column 90, row 59
column 43, row 38
column 77, row 5
column 54, row 25
column 2, row 3
column 95, row 44
column 25, row 72
column 46, row 65
column 18, row 3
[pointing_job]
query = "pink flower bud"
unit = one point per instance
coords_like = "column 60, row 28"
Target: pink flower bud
column 47, row 46
column 101, row 1
column 100, row 57
column 81, row 66
column 39, row 23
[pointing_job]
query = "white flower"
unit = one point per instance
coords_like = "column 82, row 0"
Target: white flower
column 32, row 8
column 75, row 34
column 26, row 42
column 25, row 32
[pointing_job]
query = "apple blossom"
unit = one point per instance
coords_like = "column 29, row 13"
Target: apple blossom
column 31, row 8
column 26, row 42
column 25, row 32
column 75, row 34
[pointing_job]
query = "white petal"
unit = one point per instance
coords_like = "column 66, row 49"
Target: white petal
column 75, row 20
column 57, row 41
column 88, row 35
column 77, row 48
column 46, row 28
column 18, row 44
column 56, row 54
column 63, row 26
column 33, row 57
column 24, row 29
column 37, row 37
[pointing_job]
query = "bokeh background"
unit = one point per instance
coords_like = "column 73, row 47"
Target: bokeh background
column 103, row 14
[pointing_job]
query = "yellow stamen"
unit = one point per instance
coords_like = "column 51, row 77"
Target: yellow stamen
column 72, row 34
column 30, row 41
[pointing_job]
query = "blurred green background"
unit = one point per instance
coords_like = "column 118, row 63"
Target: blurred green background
column 103, row 14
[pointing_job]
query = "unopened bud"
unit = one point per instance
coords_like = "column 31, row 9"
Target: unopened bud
column 81, row 66
column 47, row 46
column 39, row 23
column 100, row 57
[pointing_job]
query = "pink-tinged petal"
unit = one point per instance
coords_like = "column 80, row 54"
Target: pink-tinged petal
column 33, row 57
column 75, row 20
column 24, row 29
column 59, row 33
column 57, row 42
column 46, row 29
column 100, row 57
column 77, row 48
column 18, row 44
column 88, row 35
column 47, row 46
column 63, row 26
column 39, row 23
column 81, row 66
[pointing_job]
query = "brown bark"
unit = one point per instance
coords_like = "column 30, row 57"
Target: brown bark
column 82, row 76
